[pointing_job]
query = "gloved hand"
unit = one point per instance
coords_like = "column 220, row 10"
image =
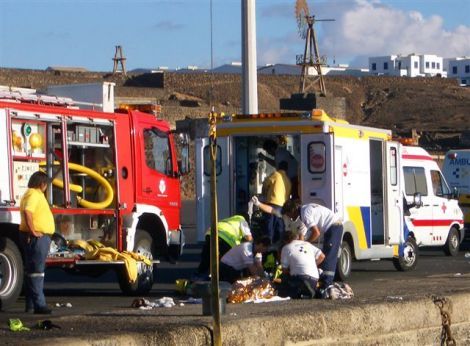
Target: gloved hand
column 255, row 201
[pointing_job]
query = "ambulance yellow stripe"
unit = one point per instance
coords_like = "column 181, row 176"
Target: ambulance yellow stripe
column 395, row 250
column 355, row 133
column 250, row 130
column 356, row 217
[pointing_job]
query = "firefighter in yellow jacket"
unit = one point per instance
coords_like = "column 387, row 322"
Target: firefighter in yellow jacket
column 232, row 231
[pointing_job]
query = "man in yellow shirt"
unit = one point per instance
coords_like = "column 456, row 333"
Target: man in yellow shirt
column 37, row 225
column 276, row 191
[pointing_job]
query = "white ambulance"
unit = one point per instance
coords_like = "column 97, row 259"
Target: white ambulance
column 456, row 169
column 359, row 172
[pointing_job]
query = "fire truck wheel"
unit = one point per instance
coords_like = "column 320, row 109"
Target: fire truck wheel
column 343, row 268
column 409, row 259
column 11, row 273
column 143, row 245
column 141, row 286
column 451, row 248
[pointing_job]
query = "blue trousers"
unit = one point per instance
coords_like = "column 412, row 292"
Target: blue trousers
column 331, row 244
column 35, row 252
column 274, row 226
column 297, row 286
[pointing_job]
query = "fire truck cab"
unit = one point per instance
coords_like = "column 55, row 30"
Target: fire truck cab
column 114, row 179
column 392, row 198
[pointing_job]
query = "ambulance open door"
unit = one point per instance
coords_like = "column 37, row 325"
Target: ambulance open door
column 203, row 181
column 393, row 198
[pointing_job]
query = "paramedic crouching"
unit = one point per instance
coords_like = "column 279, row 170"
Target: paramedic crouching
column 232, row 231
column 241, row 261
column 318, row 220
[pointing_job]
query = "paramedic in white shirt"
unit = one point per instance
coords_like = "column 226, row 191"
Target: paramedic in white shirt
column 318, row 220
column 299, row 261
column 241, row 258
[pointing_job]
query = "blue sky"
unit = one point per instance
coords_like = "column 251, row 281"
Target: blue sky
column 176, row 33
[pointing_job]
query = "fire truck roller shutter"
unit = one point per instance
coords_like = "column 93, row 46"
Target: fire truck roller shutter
column 76, row 188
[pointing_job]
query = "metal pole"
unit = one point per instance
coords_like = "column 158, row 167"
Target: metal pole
column 249, row 67
column 214, row 233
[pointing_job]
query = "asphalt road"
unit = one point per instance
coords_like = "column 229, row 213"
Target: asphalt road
column 369, row 280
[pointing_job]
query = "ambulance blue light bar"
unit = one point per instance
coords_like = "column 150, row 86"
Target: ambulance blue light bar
column 452, row 156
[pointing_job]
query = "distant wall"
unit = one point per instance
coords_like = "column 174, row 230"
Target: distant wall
column 38, row 79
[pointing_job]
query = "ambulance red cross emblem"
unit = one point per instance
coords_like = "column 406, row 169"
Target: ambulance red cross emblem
column 444, row 207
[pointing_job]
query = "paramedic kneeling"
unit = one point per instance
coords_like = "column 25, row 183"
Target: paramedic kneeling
column 239, row 259
column 319, row 220
column 299, row 260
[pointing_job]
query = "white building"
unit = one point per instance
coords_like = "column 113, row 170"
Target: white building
column 412, row 65
column 341, row 70
column 327, row 70
column 459, row 68
column 383, row 65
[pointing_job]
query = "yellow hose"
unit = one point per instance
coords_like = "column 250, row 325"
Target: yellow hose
column 77, row 188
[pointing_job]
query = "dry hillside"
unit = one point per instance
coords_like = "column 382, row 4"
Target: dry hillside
column 401, row 103
column 436, row 106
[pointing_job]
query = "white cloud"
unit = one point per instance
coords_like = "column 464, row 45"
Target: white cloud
column 368, row 28
column 364, row 28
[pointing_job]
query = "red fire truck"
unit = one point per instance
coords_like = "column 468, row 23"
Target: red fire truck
column 114, row 178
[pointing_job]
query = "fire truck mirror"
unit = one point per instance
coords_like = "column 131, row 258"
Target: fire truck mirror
column 183, row 166
column 182, row 141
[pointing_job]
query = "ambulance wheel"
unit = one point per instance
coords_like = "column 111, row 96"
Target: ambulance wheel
column 451, row 247
column 343, row 267
column 11, row 273
column 409, row 260
column 143, row 245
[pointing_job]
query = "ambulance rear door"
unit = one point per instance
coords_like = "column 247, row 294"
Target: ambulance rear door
column 393, row 195
column 203, row 183
column 316, row 167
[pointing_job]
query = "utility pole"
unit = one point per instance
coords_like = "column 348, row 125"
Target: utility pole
column 215, row 293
